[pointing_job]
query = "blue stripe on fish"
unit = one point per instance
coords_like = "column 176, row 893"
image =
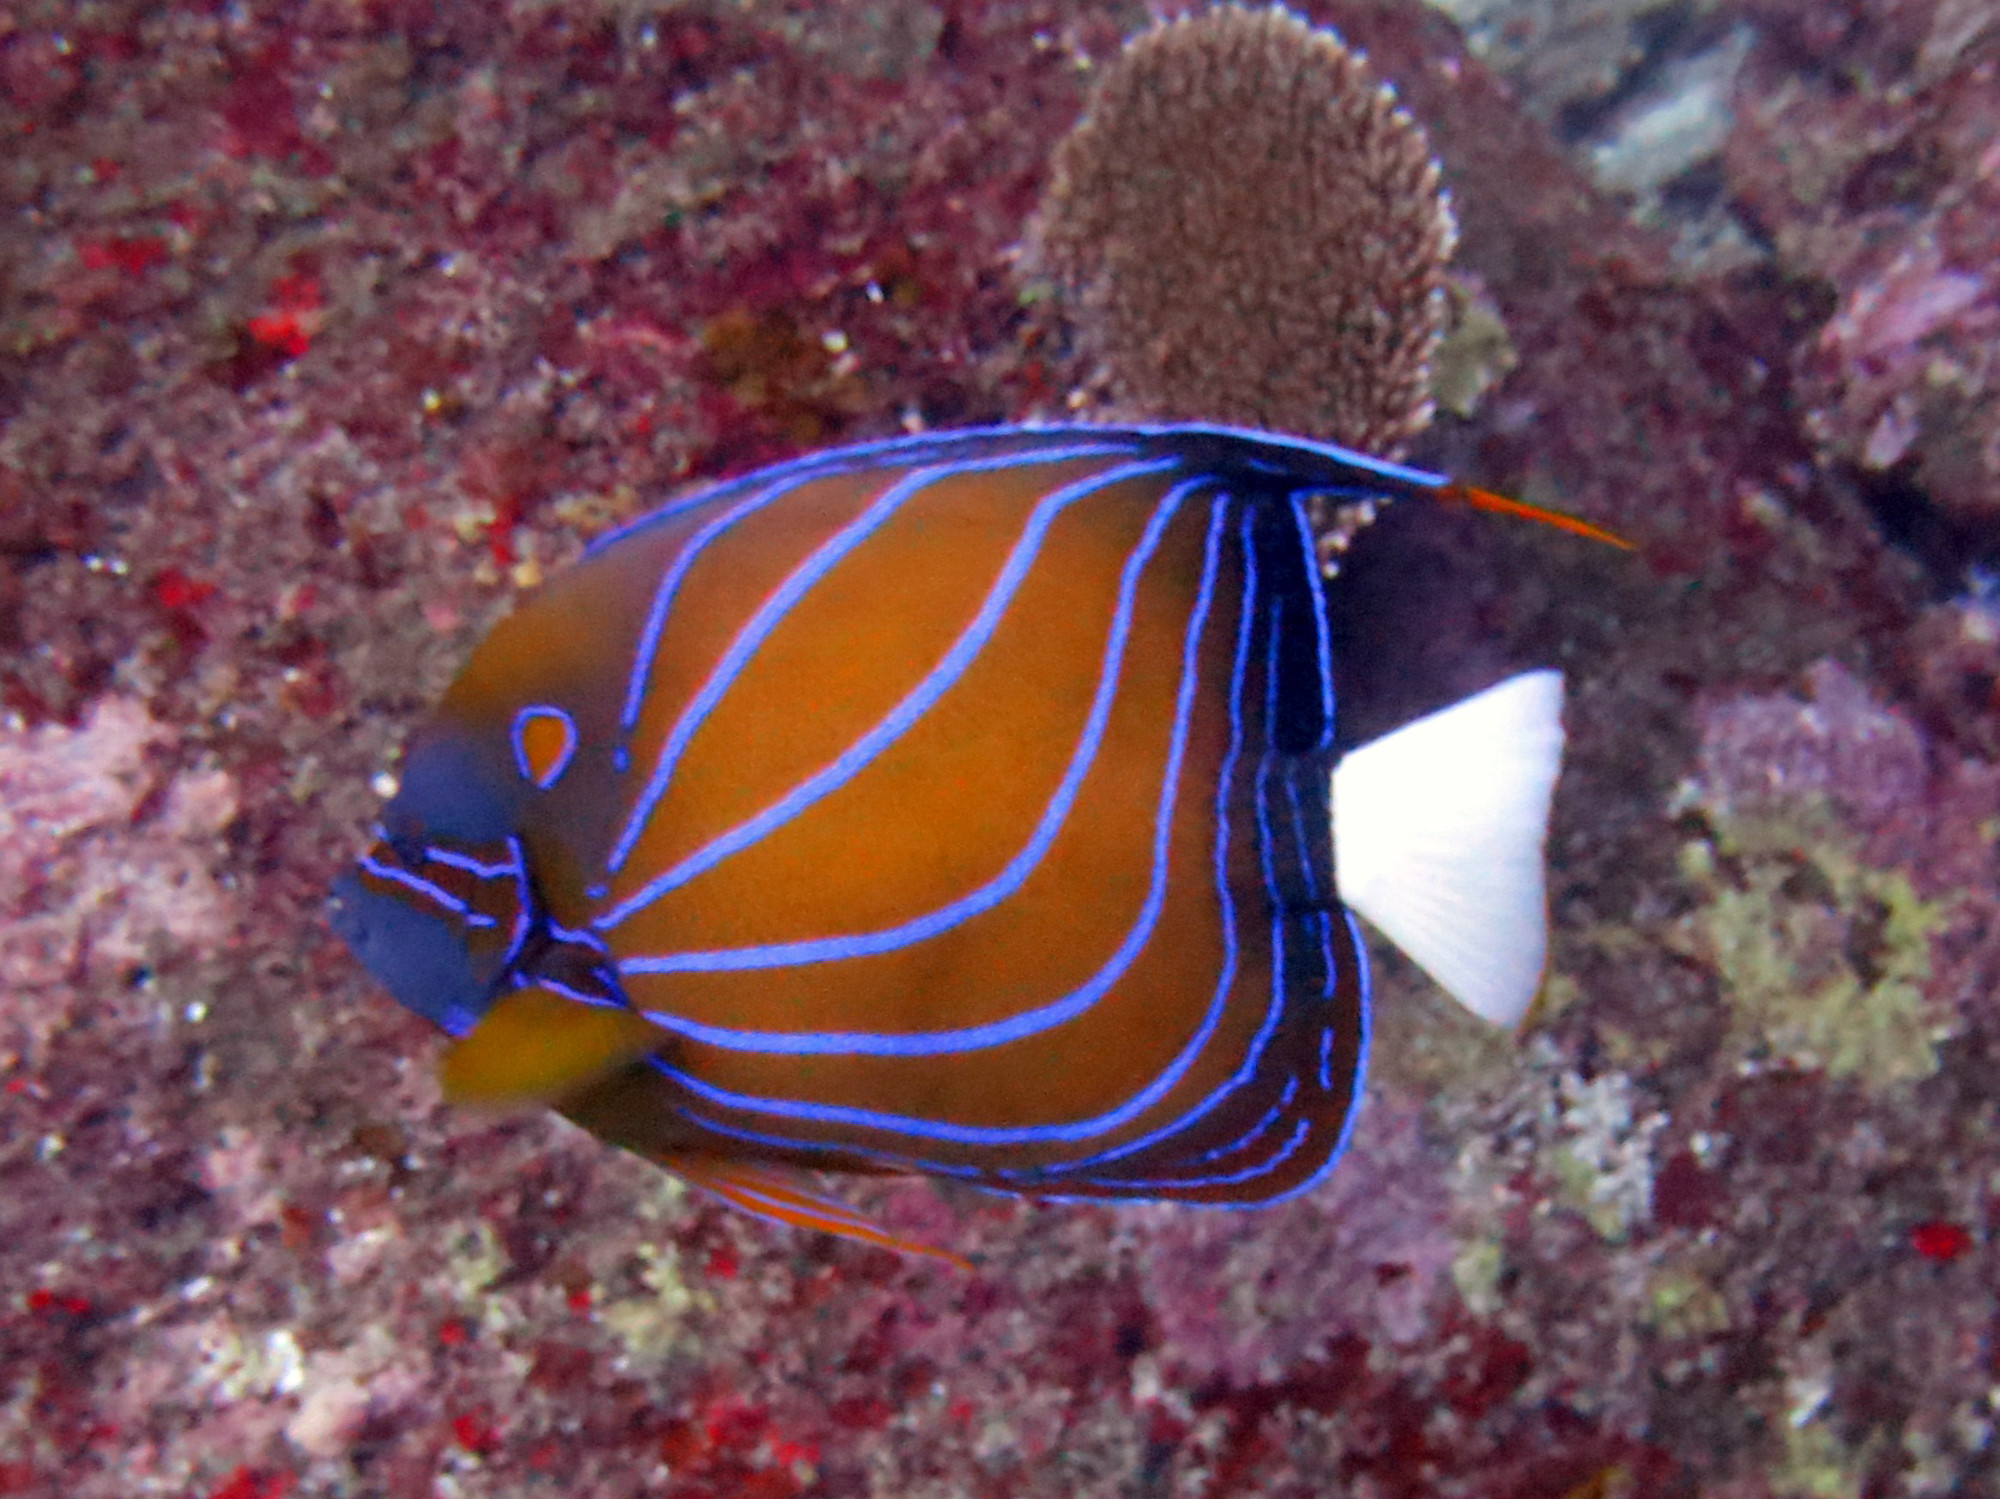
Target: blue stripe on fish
column 906, row 713
column 909, row 1046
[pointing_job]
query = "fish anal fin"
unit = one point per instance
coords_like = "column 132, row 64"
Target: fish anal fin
column 780, row 1195
column 539, row 1046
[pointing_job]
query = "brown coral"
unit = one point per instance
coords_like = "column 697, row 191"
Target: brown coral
column 1253, row 231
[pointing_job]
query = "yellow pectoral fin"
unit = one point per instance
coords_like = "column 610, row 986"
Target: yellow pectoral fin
column 537, row 1046
column 779, row 1194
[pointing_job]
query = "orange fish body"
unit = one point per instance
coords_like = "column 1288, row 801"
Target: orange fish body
column 957, row 805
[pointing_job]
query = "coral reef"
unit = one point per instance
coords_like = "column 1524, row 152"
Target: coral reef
column 1871, row 171
column 1209, row 296
column 329, row 326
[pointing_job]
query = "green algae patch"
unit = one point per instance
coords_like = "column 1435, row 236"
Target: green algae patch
column 1476, row 1270
column 1684, row 1303
column 1816, row 1465
column 652, row 1325
column 1601, row 1157
column 1823, row 958
column 1426, row 1045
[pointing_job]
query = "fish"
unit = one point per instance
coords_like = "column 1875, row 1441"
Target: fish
column 965, row 805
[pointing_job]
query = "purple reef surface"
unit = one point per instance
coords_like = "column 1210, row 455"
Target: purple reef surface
column 328, row 326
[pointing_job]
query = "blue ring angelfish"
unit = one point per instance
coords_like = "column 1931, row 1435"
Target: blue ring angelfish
column 965, row 804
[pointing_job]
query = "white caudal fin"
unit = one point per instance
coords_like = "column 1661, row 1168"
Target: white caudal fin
column 1438, row 835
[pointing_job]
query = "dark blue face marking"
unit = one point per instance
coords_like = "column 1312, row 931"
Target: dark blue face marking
column 446, row 797
column 418, row 955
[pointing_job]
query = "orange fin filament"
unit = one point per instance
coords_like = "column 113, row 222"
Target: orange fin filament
column 1500, row 504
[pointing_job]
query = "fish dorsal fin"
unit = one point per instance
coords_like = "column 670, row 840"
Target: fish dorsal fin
column 779, row 1194
column 1438, row 834
column 538, row 1046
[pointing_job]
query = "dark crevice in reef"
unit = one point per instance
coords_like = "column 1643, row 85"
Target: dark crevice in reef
column 1661, row 38
column 1955, row 553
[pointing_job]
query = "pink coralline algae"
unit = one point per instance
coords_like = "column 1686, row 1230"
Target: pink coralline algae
column 1837, row 744
column 105, row 865
column 1382, row 1250
column 330, row 326
column 1866, row 155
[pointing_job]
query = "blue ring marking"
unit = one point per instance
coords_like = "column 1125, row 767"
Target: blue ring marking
column 519, row 732
column 1326, row 1058
column 784, row 482
column 1028, row 1022
column 1136, row 1105
column 1003, row 885
column 1322, row 631
column 919, row 701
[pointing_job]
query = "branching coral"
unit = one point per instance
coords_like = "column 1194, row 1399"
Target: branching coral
column 1253, row 232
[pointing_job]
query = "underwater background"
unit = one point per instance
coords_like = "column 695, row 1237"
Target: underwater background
column 327, row 328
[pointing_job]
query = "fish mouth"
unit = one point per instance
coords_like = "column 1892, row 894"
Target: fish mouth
column 420, row 957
